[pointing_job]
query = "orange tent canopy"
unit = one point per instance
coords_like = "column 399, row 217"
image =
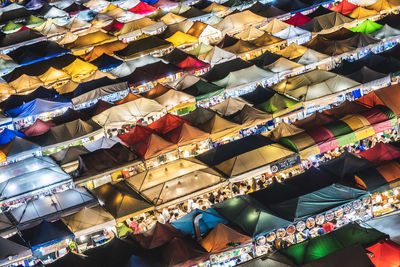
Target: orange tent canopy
column 221, row 236
column 128, row 98
column 108, row 48
column 153, row 146
column 157, row 91
column 186, row 134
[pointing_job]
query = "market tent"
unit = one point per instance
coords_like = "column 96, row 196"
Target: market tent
column 312, row 57
column 248, row 214
column 108, row 49
column 326, row 22
column 8, row 135
column 18, row 149
column 106, row 62
column 72, row 259
column 174, row 180
column 240, row 47
column 201, row 49
column 265, row 59
column 185, row 135
column 19, row 38
column 260, row 157
column 283, row 65
column 67, row 38
column 183, row 252
column 274, row 26
column 209, row 219
column 366, row 75
column 315, row 84
column 238, row 21
column 15, row 101
column 87, row 41
column 220, row 238
column 259, row 95
column 25, row 84
column 134, row 27
column 354, row 255
column 37, row 107
column 185, row 81
column 383, row 5
column 228, row 107
column 219, row 71
column 292, row 51
column 181, row 39
column 291, row 33
column 346, row 164
column 52, row 76
column 157, row 236
column 128, row 98
column 143, row 9
column 166, row 123
column 279, row 104
column 121, row 201
column 116, row 252
column 283, row 130
column 171, row 18
column 249, row 34
column 38, row 128
column 153, row 146
column 319, row 11
column 89, row 220
column 344, row 237
column 155, row 92
column 45, row 233
column 272, row 259
column 103, row 160
column 7, row 65
column 244, row 77
column 385, row 32
column 67, row 133
column 129, row 66
column 361, row 13
column 130, row 112
column 218, row 127
column 290, row 5
column 135, row 135
column 53, row 206
column 213, row 20
column 79, row 69
column 385, row 253
column 316, row 202
column 381, row 152
column 344, row 7
column 267, row 40
column 12, row 252
column 215, row 8
column 217, row 55
column 388, row 225
column 267, row 11
column 11, row 27
column 298, row 19
column 367, row 26
column 143, row 47
column 69, row 155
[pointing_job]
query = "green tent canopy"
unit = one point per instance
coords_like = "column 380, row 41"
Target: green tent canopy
column 250, row 215
column 34, row 21
column 277, row 103
column 367, row 26
column 11, row 27
column 321, row 246
column 316, row 202
column 203, row 90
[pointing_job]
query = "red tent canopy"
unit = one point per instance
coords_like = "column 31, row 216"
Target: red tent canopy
column 190, row 63
column 183, row 252
column 186, row 134
column 157, row 236
column 298, row 19
column 385, row 254
column 344, row 7
column 380, row 153
column 115, row 25
column 143, row 9
column 369, row 100
column 38, row 128
column 152, row 146
column 166, row 123
column 137, row 134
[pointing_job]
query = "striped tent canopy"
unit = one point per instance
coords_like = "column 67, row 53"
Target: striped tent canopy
column 349, row 129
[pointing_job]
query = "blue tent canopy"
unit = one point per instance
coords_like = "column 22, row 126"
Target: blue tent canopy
column 15, row 101
column 37, row 52
column 208, row 221
column 37, row 107
column 150, row 2
column 8, row 135
column 106, row 62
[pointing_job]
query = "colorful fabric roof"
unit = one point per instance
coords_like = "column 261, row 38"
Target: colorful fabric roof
column 298, row 19
column 344, row 7
column 179, row 38
column 381, row 152
column 367, row 26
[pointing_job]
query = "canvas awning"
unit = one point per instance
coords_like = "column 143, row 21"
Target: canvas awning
column 37, row 107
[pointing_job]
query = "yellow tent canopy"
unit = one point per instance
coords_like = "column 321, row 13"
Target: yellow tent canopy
column 172, row 18
column 109, row 8
column 53, row 75
column 108, row 48
column 215, row 8
column 179, row 38
column 361, row 12
column 134, row 25
column 79, row 69
column 89, row 40
column 26, row 83
column 382, row 5
column 6, row 90
column 292, row 51
column 249, row 34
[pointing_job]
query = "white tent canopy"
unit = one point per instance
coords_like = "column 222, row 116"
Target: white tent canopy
column 217, row 55
column 130, row 113
column 130, row 66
